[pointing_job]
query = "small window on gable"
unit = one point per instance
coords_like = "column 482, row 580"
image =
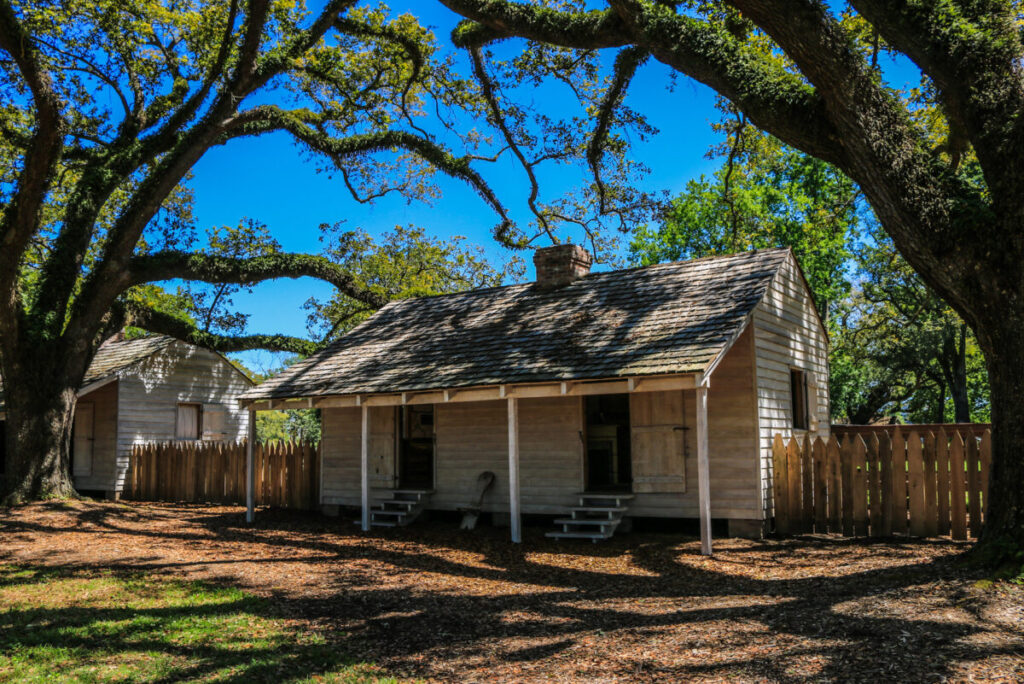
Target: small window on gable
column 798, row 392
column 190, row 421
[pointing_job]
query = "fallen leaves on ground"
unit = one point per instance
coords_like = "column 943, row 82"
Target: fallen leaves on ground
column 430, row 601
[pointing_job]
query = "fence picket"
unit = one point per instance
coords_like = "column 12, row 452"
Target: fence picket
column 807, row 483
column 915, row 480
column 846, row 484
column 780, row 485
column 985, row 449
column 874, row 488
column 942, row 479
column 931, row 513
column 794, row 486
column 835, row 497
column 885, row 482
column 957, row 507
column 858, row 470
column 899, row 483
column 820, row 466
column 973, row 486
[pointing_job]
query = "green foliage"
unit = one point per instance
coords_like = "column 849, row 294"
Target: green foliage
column 100, row 626
column 293, row 425
column 765, row 194
column 402, row 263
column 896, row 348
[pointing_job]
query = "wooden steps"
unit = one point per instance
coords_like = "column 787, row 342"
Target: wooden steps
column 399, row 508
column 595, row 518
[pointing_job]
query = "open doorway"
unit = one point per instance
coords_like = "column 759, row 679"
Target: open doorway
column 416, row 447
column 608, row 466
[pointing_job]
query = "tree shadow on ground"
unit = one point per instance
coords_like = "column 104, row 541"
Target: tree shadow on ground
column 431, row 601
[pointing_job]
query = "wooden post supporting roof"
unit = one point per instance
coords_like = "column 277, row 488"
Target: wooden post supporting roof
column 703, row 471
column 250, row 470
column 513, row 470
column 364, row 468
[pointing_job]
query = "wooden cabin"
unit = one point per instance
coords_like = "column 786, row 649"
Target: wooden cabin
column 647, row 392
column 149, row 389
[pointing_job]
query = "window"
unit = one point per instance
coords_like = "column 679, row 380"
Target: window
column 190, row 421
column 798, row 390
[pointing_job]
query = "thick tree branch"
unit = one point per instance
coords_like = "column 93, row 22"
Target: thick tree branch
column 20, row 217
column 155, row 321
column 945, row 42
column 299, row 123
column 170, row 265
column 502, row 19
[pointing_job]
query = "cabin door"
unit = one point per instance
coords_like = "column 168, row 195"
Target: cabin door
column 416, row 447
column 608, row 443
column 659, row 442
column 84, row 438
column 383, row 421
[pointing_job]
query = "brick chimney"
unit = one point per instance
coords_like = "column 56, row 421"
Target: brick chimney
column 559, row 265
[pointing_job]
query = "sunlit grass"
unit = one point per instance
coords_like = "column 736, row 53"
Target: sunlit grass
column 58, row 626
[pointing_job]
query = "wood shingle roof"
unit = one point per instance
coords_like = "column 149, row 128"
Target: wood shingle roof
column 668, row 318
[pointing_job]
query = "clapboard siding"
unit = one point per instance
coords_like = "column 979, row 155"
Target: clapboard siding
column 732, row 442
column 339, row 447
column 787, row 335
column 104, row 446
column 150, row 391
column 473, row 437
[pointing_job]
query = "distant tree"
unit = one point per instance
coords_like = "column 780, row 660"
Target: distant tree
column 404, row 262
column 764, row 194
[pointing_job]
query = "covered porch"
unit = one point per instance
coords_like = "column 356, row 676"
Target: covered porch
column 544, row 442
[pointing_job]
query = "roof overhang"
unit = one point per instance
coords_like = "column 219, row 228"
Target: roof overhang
column 533, row 390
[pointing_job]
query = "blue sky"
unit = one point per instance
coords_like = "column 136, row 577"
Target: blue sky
column 269, row 180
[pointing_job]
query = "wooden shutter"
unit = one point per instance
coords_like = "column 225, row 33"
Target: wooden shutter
column 812, row 401
column 188, row 422
column 657, row 442
column 383, row 422
column 84, row 438
column 213, row 422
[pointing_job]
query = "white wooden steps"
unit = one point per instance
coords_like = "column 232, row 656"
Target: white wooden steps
column 595, row 518
column 399, row 508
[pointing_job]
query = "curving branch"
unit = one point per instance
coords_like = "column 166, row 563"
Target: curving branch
column 626, row 64
column 301, row 125
column 172, row 264
column 148, row 318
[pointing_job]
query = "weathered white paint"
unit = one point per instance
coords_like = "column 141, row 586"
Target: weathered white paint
column 364, row 467
column 513, row 470
column 788, row 334
column 703, row 471
column 140, row 405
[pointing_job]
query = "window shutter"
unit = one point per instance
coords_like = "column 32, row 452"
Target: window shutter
column 188, row 421
column 812, row 401
column 657, row 449
column 213, row 422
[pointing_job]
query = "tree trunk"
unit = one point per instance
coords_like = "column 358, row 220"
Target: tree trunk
column 958, row 383
column 38, row 437
column 1002, row 539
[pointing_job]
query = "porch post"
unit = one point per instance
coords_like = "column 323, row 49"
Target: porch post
column 364, row 468
column 703, row 475
column 513, row 470
column 250, row 470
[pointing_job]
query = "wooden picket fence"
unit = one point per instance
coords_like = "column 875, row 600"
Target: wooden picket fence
column 904, row 481
column 287, row 473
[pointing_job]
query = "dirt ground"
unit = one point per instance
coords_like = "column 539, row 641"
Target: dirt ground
column 432, row 602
